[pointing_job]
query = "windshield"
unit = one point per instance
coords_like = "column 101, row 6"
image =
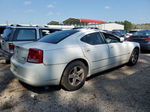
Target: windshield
column 142, row 33
column 7, row 33
column 117, row 34
column 57, row 36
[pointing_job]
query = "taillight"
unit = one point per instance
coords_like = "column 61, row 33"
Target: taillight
column 35, row 56
column 11, row 46
column 129, row 38
column 147, row 39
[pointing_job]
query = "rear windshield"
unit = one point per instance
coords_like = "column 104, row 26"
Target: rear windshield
column 56, row 37
column 142, row 33
column 7, row 33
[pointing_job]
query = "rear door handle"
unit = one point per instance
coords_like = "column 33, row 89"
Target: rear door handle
column 88, row 50
column 111, row 46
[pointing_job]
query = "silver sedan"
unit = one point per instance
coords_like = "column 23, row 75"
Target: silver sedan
column 67, row 57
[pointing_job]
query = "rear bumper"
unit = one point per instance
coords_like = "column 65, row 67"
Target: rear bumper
column 37, row 74
column 145, row 46
column 6, row 54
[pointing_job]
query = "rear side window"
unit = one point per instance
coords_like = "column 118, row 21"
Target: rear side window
column 45, row 32
column 93, row 39
column 56, row 37
column 25, row 34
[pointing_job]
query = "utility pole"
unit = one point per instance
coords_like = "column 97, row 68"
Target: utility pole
column 7, row 22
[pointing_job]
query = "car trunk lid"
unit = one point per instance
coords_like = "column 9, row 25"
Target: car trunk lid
column 21, row 52
column 140, row 39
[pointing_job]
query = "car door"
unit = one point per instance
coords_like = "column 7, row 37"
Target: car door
column 95, row 50
column 118, row 50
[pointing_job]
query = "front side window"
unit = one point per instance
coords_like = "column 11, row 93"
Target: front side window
column 56, row 37
column 110, row 38
column 25, row 34
column 93, row 39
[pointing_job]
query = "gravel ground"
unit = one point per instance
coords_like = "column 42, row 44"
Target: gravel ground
column 122, row 89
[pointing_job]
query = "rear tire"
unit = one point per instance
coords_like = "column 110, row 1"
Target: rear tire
column 134, row 57
column 74, row 76
column 7, row 61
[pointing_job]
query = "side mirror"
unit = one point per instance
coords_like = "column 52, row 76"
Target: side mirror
column 122, row 39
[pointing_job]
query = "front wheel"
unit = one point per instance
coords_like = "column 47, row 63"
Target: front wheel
column 74, row 76
column 134, row 57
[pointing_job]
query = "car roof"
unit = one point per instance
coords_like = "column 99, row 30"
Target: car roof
column 35, row 27
column 145, row 30
column 90, row 30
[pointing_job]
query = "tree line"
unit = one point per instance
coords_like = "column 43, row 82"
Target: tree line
column 127, row 24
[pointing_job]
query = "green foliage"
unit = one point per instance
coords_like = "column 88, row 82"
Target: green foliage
column 142, row 26
column 127, row 25
column 53, row 23
column 73, row 21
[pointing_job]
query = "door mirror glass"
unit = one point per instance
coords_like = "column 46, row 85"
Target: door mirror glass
column 121, row 39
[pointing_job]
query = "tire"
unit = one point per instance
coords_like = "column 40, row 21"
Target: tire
column 7, row 61
column 74, row 76
column 134, row 57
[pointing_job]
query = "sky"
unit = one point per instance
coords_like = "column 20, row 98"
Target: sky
column 44, row 11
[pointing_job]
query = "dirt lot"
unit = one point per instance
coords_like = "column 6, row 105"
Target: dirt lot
column 123, row 89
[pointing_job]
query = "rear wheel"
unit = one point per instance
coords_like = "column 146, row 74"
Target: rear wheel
column 134, row 57
column 7, row 61
column 74, row 76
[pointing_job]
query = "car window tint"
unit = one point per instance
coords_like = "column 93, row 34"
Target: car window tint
column 93, row 39
column 110, row 38
column 56, row 37
column 26, row 34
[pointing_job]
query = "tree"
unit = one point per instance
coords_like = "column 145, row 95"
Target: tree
column 53, row 23
column 71, row 21
column 127, row 25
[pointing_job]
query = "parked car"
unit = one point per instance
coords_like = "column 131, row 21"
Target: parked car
column 67, row 57
column 2, row 28
column 142, row 37
column 122, row 32
column 16, row 35
column 130, row 33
